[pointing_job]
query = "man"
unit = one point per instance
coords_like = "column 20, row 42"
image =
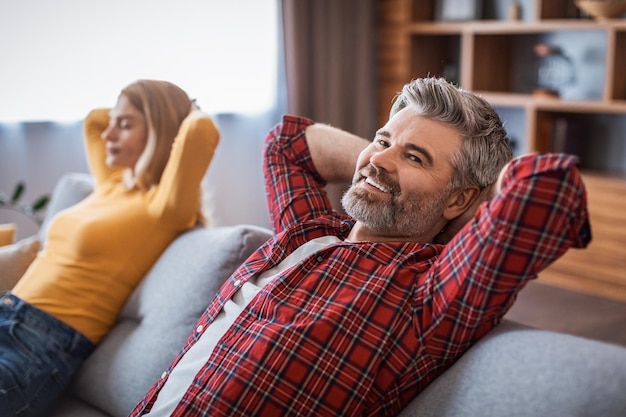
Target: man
column 355, row 314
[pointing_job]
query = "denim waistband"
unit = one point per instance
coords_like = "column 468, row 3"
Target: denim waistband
column 16, row 309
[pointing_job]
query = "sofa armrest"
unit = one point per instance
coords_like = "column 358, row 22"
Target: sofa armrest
column 522, row 371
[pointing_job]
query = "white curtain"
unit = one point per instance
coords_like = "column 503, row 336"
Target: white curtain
column 69, row 56
column 62, row 57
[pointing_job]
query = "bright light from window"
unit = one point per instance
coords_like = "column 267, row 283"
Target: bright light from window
column 62, row 58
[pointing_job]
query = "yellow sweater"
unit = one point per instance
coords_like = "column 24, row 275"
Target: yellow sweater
column 97, row 251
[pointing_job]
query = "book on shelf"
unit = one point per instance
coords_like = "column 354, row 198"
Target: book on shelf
column 567, row 135
column 563, row 134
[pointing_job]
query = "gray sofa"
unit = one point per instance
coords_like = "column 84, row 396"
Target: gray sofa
column 514, row 371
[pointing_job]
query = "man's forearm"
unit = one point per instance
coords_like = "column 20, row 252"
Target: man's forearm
column 334, row 151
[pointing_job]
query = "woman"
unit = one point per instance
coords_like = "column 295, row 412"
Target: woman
column 148, row 156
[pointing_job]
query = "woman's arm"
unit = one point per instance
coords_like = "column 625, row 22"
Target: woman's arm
column 178, row 194
column 96, row 121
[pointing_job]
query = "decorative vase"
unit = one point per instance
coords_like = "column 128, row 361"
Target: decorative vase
column 554, row 70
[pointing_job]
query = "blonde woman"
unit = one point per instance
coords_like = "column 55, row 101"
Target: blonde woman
column 148, row 156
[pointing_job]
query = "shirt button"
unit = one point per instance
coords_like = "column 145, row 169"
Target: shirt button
column 164, row 375
column 320, row 258
column 237, row 283
column 199, row 328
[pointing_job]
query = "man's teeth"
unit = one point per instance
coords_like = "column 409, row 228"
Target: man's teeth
column 375, row 184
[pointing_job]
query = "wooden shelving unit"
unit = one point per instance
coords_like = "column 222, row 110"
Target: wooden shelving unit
column 493, row 57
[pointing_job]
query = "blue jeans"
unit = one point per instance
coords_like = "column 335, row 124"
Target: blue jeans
column 38, row 357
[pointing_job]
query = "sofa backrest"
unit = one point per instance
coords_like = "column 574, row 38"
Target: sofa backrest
column 158, row 316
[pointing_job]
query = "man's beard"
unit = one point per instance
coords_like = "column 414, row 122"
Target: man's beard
column 392, row 216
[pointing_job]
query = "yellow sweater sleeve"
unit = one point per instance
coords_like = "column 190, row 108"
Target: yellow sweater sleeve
column 95, row 147
column 178, row 196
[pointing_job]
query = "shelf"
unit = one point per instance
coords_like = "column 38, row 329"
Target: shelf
column 549, row 104
column 617, row 107
column 512, row 27
column 495, row 58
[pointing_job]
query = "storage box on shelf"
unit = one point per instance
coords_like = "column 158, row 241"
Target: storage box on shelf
column 494, row 56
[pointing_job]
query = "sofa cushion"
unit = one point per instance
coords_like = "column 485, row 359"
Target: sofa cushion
column 159, row 316
column 525, row 372
column 69, row 190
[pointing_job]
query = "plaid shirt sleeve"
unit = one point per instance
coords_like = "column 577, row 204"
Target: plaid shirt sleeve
column 540, row 212
column 294, row 189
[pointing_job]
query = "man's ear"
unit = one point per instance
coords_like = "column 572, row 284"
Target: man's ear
column 460, row 201
column 467, row 202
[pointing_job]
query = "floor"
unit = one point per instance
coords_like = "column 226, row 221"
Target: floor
column 553, row 308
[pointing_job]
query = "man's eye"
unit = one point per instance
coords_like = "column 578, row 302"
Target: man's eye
column 415, row 158
column 383, row 143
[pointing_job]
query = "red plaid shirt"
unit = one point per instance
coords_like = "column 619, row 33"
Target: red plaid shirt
column 361, row 328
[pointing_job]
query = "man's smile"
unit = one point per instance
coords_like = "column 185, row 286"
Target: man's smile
column 373, row 183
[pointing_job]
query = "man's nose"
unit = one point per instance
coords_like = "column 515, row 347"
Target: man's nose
column 384, row 159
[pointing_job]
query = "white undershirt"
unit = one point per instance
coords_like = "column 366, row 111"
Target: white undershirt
column 183, row 374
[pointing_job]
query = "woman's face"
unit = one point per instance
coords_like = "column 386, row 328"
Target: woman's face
column 126, row 135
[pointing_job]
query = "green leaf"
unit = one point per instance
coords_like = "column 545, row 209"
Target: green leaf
column 41, row 203
column 17, row 193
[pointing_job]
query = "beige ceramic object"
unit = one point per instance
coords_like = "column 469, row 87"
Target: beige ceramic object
column 602, row 9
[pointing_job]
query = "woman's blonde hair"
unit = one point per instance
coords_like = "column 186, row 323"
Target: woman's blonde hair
column 164, row 106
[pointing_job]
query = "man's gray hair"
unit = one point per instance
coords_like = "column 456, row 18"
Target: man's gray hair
column 485, row 147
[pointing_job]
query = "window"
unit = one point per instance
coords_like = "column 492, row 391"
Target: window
column 62, row 58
